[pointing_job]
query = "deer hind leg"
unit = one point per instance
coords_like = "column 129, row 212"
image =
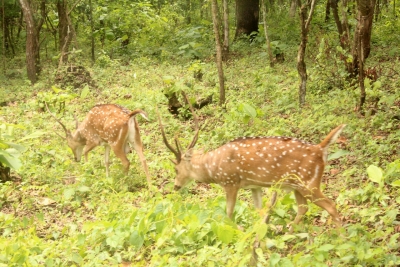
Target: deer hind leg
column 318, row 198
column 302, row 208
column 120, row 153
column 321, row 200
column 137, row 145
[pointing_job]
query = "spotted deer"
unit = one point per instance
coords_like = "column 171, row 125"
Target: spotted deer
column 110, row 125
column 256, row 162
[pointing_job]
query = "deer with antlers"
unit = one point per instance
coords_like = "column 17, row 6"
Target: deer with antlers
column 110, row 125
column 256, row 162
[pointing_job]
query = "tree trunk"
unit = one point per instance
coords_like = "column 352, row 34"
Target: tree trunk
column 214, row 11
column 225, row 48
column 293, row 8
column 247, row 13
column 92, row 31
column 64, row 30
column 32, row 42
column 264, row 12
column 4, row 39
column 362, row 45
column 301, row 65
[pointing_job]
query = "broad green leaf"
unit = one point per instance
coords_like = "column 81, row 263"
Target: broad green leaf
column 18, row 147
column 9, row 160
column 396, row 183
column 3, row 145
column 34, row 135
column 343, row 247
column 136, row 239
column 274, row 259
column 76, row 258
column 375, row 174
column 338, row 154
column 114, row 240
column 326, row 247
column 303, row 235
column 225, row 233
column 83, row 188
column 56, row 89
column 69, row 193
column 261, row 230
column 249, row 110
column 280, row 212
column 85, row 92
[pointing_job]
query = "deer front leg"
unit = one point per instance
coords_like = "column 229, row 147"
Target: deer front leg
column 137, row 145
column 88, row 147
column 231, row 195
column 107, row 159
column 257, row 195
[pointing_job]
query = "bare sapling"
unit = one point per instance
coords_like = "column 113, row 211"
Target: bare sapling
column 256, row 162
column 110, row 125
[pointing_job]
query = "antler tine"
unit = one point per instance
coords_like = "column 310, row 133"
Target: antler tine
column 178, row 145
column 65, row 128
column 176, row 153
column 196, row 123
column 76, row 121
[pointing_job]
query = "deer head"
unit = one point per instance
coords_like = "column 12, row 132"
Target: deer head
column 74, row 141
column 256, row 162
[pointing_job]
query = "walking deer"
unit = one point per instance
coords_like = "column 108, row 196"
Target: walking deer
column 110, row 125
column 255, row 162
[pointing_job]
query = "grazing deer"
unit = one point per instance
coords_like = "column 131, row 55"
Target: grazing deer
column 255, row 162
column 112, row 126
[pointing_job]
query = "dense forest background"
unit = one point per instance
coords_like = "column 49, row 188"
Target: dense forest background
column 250, row 68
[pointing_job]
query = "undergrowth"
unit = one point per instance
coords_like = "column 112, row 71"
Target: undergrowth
column 56, row 212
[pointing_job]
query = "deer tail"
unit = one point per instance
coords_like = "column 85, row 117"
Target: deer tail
column 332, row 136
column 139, row 111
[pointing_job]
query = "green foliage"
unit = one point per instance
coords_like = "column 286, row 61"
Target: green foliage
column 58, row 98
column 57, row 212
column 10, row 151
column 193, row 43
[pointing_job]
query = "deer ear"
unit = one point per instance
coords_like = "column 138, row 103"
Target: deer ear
column 188, row 155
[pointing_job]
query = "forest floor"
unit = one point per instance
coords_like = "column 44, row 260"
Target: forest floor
column 57, row 212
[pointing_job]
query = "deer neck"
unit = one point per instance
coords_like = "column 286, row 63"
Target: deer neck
column 78, row 136
column 204, row 166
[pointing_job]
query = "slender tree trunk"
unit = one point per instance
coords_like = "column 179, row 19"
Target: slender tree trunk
column 293, row 8
column 365, row 16
column 247, row 13
column 301, row 65
column 264, row 11
column 64, row 31
column 189, row 13
column 214, row 11
column 4, row 38
column 92, row 31
column 32, row 42
column 225, row 48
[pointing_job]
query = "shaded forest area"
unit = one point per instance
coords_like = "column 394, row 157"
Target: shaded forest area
column 247, row 68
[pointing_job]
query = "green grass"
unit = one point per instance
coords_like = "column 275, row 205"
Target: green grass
column 56, row 212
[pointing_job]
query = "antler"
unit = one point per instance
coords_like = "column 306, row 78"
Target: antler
column 65, row 129
column 177, row 153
